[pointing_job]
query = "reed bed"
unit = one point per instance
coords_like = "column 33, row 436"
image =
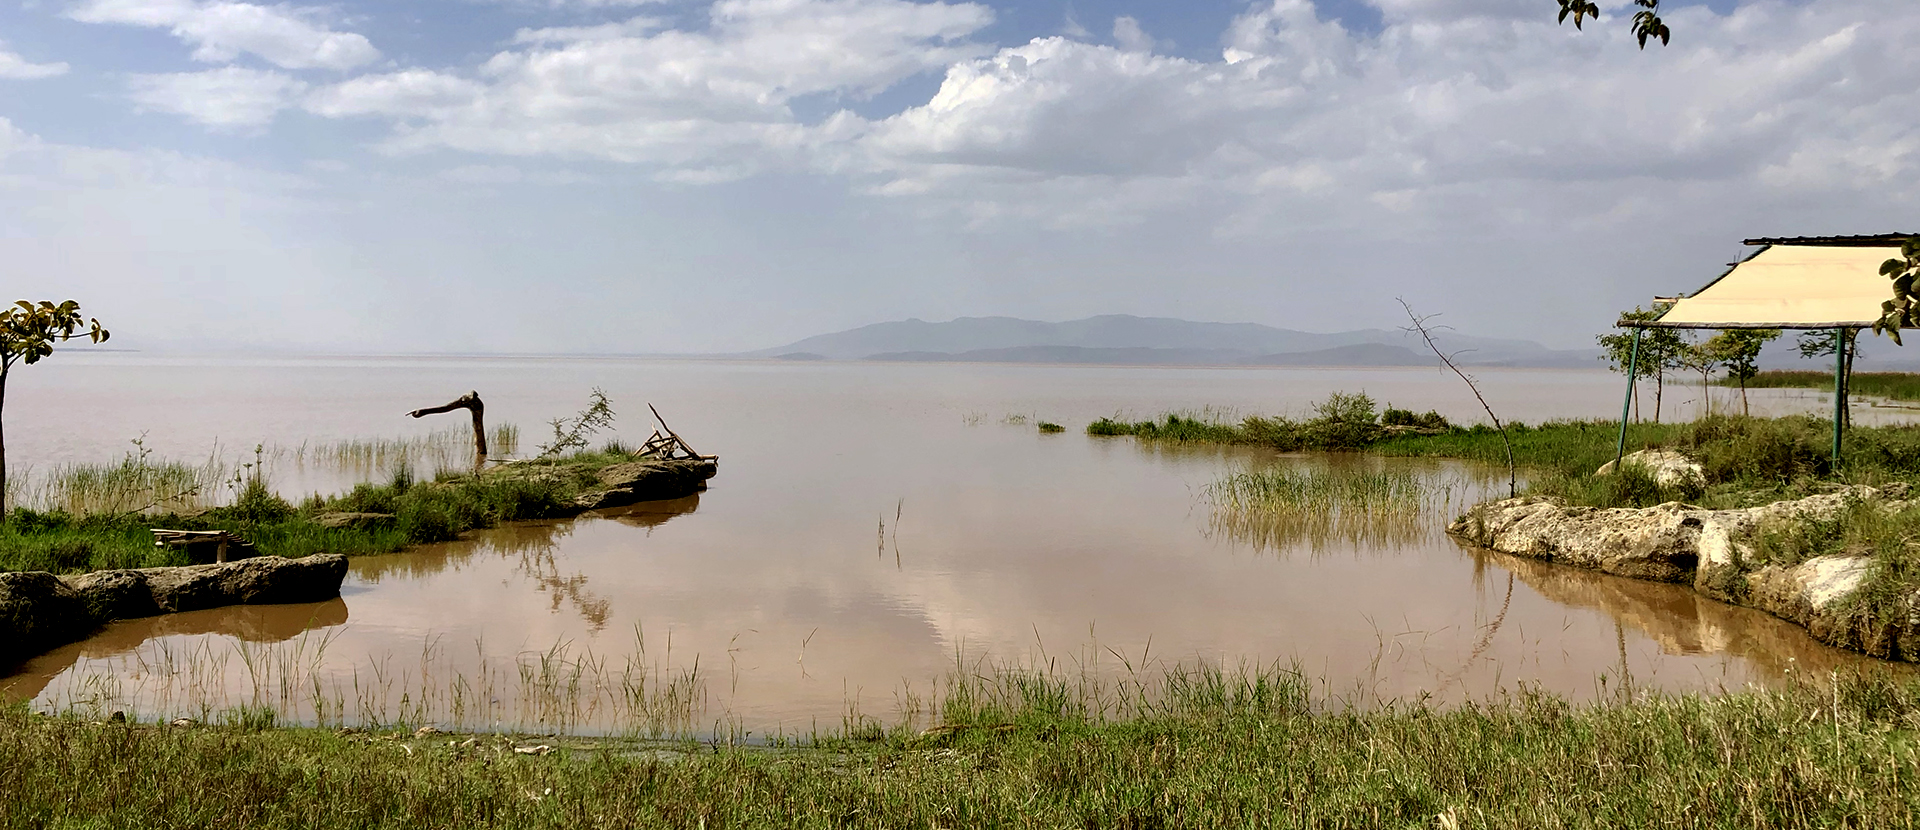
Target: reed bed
column 562, row 689
column 1283, row 508
column 139, row 484
column 444, row 448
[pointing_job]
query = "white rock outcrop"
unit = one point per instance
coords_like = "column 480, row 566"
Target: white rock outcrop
column 1668, row 468
column 1712, row 551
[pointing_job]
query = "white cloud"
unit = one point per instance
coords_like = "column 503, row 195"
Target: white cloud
column 1301, row 111
column 15, row 67
column 229, row 97
column 285, row 36
column 1131, row 37
column 714, row 102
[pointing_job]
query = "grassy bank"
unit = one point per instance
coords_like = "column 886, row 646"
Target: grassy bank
column 412, row 512
column 1014, row 752
column 1746, row 460
column 1899, row 386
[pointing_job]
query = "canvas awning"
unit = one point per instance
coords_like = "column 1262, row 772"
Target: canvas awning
column 1792, row 284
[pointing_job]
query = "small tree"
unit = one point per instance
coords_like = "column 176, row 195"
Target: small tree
column 27, row 333
column 1820, row 343
column 1661, row 351
column 1739, row 351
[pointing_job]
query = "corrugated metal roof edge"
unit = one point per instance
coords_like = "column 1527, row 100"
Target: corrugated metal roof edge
column 1884, row 240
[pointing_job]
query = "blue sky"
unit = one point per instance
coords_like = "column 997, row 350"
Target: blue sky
column 565, row 175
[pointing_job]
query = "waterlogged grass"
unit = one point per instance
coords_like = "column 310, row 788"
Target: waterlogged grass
column 1899, row 386
column 446, row 447
column 139, row 483
column 1279, row 508
column 1223, row 750
column 565, row 688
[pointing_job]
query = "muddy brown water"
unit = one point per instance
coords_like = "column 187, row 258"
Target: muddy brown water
column 873, row 529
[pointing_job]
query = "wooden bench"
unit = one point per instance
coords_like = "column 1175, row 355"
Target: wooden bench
column 163, row 537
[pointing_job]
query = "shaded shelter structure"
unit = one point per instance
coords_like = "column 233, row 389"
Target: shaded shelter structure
column 1810, row 282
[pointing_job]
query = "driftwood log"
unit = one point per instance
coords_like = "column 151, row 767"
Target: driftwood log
column 471, row 403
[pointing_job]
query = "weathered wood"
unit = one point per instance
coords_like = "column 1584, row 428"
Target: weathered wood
column 470, row 402
column 163, row 537
column 671, row 443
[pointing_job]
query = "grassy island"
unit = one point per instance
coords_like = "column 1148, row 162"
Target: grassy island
column 371, row 518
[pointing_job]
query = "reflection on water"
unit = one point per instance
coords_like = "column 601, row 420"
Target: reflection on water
column 767, row 603
column 116, row 650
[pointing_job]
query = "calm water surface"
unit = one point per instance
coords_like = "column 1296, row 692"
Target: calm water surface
column 872, row 527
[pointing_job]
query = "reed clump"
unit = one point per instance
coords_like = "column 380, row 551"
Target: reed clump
column 1278, row 508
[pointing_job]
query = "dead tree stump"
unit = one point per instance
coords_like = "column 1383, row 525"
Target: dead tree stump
column 471, row 403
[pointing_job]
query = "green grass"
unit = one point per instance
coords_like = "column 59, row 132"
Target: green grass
column 1224, row 750
column 1899, row 386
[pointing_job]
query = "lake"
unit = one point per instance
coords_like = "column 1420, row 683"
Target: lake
column 873, row 529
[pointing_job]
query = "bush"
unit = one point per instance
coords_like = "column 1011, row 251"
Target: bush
column 1406, row 418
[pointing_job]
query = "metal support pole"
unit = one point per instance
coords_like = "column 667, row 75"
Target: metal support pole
column 1633, row 369
column 1839, row 390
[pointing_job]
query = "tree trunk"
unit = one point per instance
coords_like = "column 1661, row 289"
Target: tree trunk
column 3, row 446
column 1743, row 397
column 1846, row 383
column 1659, row 388
column 471, row 403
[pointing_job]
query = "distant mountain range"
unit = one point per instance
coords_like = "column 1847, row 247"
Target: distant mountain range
column 1120, row 339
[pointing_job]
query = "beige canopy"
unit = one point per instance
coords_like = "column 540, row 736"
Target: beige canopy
column 1816, row 283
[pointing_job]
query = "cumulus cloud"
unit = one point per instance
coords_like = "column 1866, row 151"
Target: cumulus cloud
column 220, row 32
column 1774, row 91
column 15, row 67
column 715, row 101
column 1128, row 33
column 226, row 98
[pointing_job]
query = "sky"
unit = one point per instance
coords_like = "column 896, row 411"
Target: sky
column 646, row 176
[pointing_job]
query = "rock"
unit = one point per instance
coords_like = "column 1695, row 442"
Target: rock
column 1711, row 550
column 640, row 481
column 1668, row 468
column 1659, row 543
column 264, row 580
column 39, row 612
column 115, row 595
column 353, row 520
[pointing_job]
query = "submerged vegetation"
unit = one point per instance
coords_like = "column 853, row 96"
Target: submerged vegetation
column 1275, row 508
column 1210, row 748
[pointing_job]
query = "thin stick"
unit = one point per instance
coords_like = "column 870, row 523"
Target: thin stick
column 1420, row 325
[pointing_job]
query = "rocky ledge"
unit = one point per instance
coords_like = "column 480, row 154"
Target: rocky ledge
column 1712, row 550
column 639, row 481
column 40, row 611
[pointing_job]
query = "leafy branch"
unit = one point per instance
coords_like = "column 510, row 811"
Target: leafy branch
column 572, row 433
column 1646, row 23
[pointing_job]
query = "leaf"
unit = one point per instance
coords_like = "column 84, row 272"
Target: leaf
column 1892, row 266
